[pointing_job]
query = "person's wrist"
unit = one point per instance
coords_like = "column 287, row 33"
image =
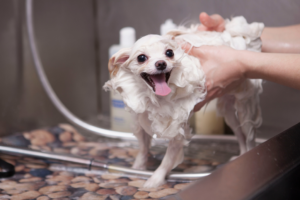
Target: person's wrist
column 244, row 59
column 242, row 63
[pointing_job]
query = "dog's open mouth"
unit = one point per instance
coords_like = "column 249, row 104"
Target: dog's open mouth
column 158, row 82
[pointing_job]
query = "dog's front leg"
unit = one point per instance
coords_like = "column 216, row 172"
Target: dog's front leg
column 173, row 157
column 144, row 140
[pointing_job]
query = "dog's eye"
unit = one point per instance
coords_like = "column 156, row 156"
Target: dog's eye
column 169, row 53
column 142, row 58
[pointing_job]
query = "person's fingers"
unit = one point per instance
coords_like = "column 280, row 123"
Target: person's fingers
column 194, row 51
column 220, row 27
column 207, row 20
column 210, row 96
column 202, row 17
column 186, row 47
column 198, row 52
column 199, row 106
column 201, row 27
column 213, row 23
column 217, row 19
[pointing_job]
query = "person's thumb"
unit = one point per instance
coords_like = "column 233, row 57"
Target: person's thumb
column 186, row 47
column 198, row 52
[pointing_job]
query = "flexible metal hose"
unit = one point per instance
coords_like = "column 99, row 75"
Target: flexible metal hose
column 89, row 163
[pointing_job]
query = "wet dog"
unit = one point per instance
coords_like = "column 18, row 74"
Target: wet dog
column 160, row 84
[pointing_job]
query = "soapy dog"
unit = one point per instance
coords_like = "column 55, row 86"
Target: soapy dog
column 160, row 84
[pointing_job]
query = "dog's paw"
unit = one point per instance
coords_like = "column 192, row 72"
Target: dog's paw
column 154, row 182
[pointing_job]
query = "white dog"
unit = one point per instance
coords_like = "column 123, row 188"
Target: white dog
column 161, row 84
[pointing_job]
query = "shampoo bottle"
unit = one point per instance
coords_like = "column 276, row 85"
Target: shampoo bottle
column 207, row 120
column 121, row 119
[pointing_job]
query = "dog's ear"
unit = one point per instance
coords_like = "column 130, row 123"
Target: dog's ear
column 172, row 34
column 117, row 60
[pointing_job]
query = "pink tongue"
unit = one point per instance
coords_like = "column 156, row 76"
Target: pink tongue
column 161, row 87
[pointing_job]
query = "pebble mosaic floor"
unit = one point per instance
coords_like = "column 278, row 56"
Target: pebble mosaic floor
column 42, row 180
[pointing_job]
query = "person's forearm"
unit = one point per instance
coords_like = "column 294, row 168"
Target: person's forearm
column 280, row 68
column 281, row 39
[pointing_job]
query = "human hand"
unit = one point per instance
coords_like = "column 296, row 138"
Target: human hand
column 211, row 23
column 222, row 67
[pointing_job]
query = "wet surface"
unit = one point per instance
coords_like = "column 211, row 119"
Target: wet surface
column 41, row 179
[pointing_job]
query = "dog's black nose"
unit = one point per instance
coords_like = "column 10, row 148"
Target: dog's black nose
column 161, row 65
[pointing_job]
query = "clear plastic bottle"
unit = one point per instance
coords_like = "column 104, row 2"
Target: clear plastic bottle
column 121, row 120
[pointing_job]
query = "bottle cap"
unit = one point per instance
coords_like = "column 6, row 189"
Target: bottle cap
column 127, row 36
column 167, row 26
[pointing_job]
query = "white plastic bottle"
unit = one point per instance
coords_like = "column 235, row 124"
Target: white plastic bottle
column 121, row 120
column 167, row 26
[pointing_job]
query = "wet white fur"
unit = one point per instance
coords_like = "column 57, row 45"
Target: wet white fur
column 167, row 117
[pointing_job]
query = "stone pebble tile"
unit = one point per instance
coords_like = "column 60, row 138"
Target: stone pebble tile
column 34, row 180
